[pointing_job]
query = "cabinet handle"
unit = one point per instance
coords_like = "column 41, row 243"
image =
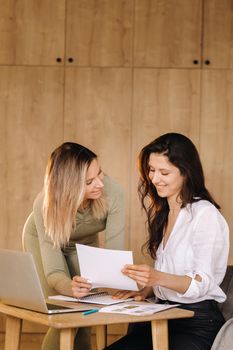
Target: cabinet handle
column 207, row 62
column 195, row 62
column 59, row 59
column 70, row 59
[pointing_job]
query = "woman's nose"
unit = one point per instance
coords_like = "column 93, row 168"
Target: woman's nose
column 156, row 178
column 99, row 183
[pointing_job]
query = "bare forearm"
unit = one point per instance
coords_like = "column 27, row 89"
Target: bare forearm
column 147, row 276
column 177, row 283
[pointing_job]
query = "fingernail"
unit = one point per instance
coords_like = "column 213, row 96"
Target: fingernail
column 89, row 281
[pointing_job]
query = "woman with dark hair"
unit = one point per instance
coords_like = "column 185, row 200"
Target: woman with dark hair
column 77, row 202
column 189, row 241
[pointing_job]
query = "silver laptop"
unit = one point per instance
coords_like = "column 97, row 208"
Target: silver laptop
column 20, row 285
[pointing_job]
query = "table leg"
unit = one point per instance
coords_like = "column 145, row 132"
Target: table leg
column 67, row 338
column 101, row 337
column 13, row 333
column 159, row 334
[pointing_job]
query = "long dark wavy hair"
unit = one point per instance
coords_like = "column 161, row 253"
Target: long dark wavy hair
column 182, row 153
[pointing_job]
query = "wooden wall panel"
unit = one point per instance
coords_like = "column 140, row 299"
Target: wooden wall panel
column 164, row 101
column 99, row 32
column 218, row 33
column 216, row 142
column 167, row 33
column 34, row 126
column 3, row 161
column 97, row 114
column 32, row 32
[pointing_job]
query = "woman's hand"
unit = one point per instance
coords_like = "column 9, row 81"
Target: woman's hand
column 138, row 296
column 147, row 276
column 80, row 286
column 144, row 275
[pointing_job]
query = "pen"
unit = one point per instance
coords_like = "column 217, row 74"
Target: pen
column 90, row 312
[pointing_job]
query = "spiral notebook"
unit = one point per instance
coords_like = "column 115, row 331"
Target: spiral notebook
column 102, row 298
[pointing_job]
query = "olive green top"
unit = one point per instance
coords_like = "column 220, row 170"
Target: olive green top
column 56, row 260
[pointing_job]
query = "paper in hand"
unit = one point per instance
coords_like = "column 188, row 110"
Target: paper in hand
column 103, row 267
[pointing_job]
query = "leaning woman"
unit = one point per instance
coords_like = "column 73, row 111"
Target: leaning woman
column 77, row 202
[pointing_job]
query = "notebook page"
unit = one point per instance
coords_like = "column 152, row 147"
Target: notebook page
column 101, row 298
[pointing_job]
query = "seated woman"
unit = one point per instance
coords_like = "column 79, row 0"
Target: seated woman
column 77, row 202
column 189, row 241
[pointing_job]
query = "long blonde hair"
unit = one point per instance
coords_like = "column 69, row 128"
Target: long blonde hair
column 64, row 191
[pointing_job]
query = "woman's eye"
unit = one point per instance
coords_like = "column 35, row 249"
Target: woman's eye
column 88, row 182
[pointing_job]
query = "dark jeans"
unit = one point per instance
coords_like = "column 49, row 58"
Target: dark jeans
column 196, row 333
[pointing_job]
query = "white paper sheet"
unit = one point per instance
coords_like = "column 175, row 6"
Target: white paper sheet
column 103, row 267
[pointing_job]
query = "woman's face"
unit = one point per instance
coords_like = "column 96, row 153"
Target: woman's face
column 165, row 176
column 94, row 181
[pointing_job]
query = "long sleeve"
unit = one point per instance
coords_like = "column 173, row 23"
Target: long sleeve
column 210, row 251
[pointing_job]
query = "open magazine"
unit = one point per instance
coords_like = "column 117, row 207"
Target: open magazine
column 137, row 309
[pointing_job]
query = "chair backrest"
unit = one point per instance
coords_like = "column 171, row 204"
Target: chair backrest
column 227, row 286
column 31, row 244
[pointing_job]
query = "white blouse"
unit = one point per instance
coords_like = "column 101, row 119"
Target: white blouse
column 198, row 244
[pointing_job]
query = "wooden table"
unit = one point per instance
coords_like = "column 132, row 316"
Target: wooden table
column 67, row 323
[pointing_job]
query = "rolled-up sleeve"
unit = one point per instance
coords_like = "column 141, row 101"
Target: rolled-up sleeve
column 210, row 245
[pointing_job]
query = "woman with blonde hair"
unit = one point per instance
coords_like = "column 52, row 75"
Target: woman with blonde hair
column 78, row 201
